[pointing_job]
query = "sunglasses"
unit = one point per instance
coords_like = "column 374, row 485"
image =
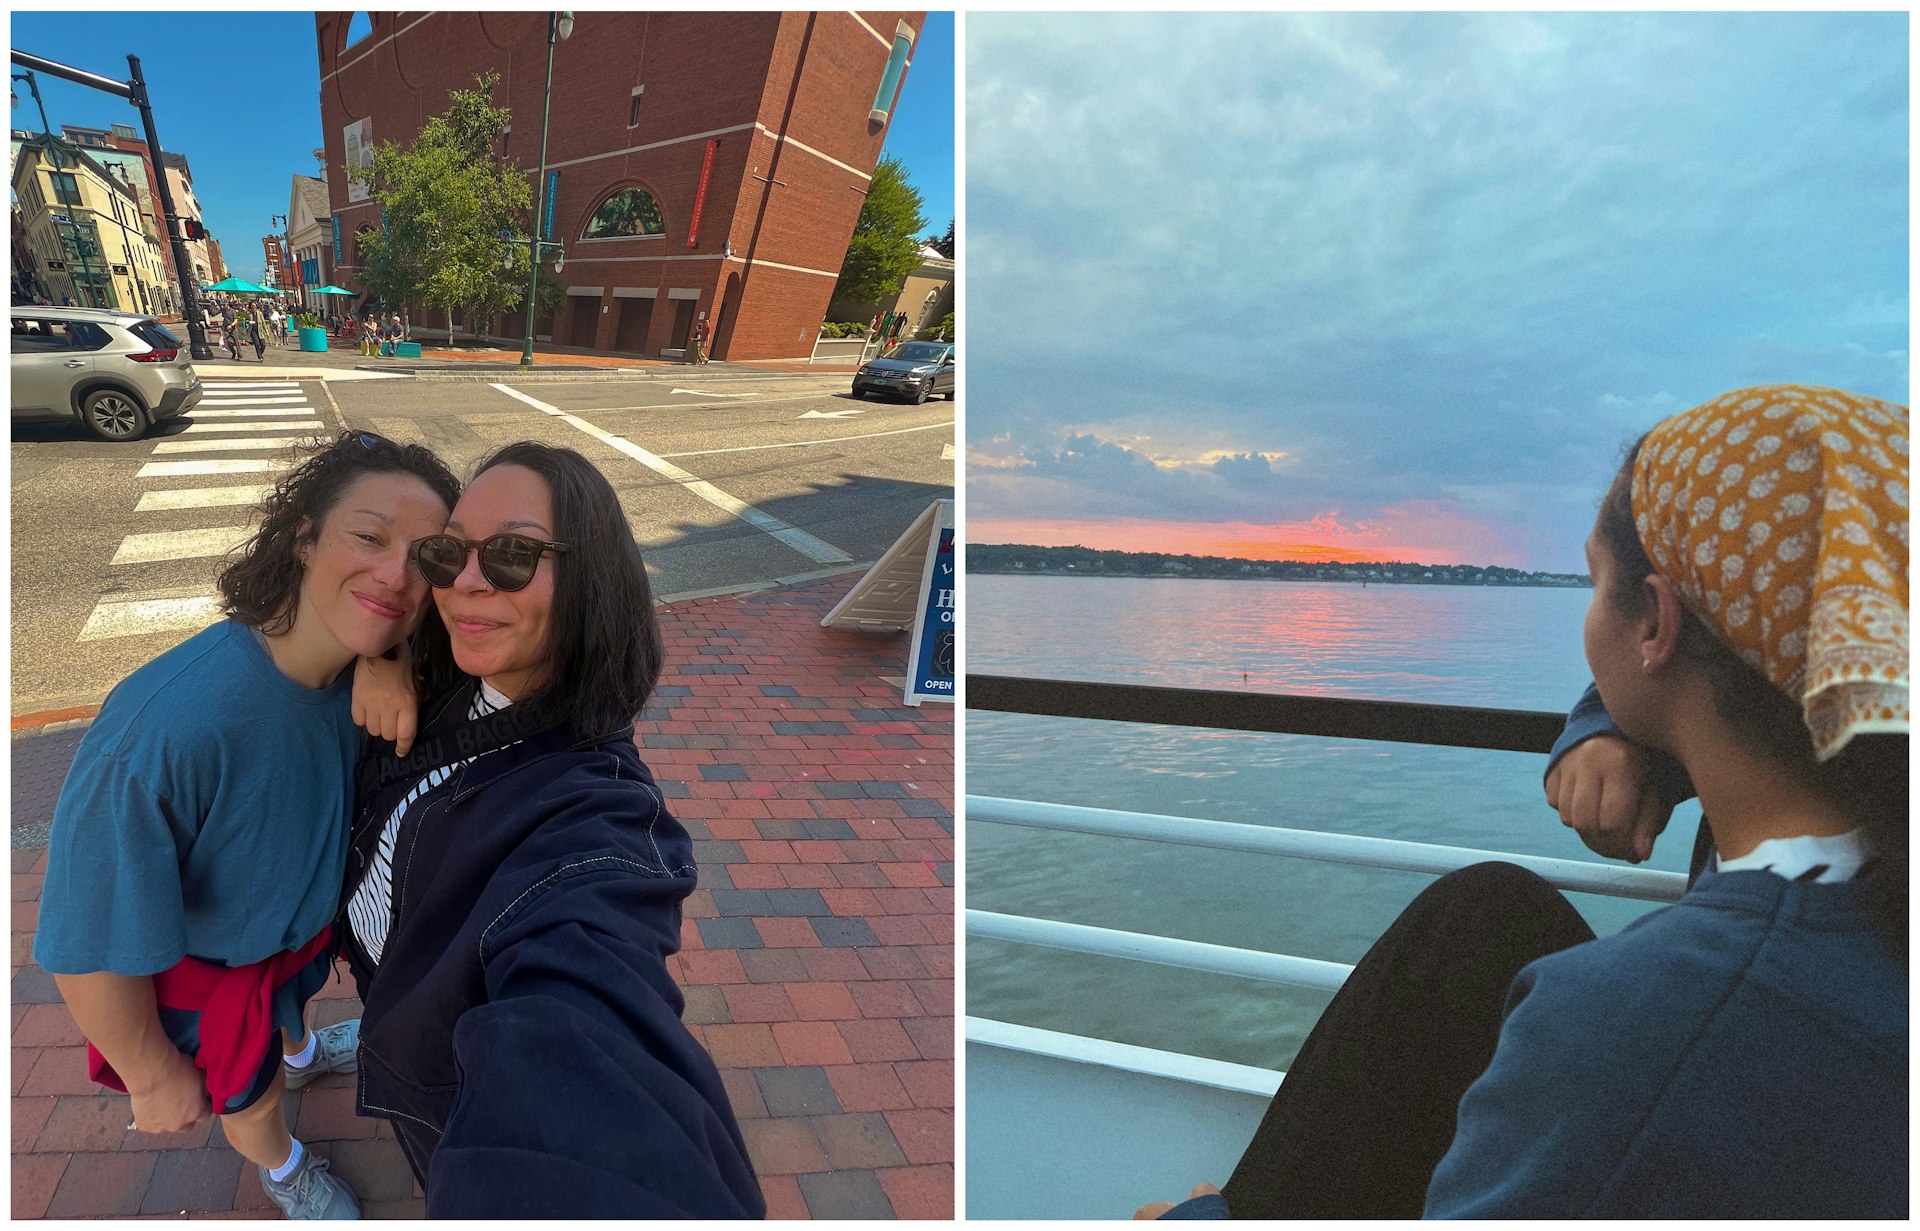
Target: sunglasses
column 507, row 561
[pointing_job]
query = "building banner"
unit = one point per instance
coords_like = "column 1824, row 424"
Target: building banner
column 339, row 252
column 553, row 190
column 700, row 196
column 359, row 137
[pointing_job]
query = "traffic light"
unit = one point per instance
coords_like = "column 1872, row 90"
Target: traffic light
column 193, row 229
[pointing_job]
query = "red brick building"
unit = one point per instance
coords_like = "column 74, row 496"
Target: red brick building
column 780, row 115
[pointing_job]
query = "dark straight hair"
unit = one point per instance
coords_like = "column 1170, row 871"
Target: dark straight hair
column 1868, row 777
column 604, row 650
column 260, row 584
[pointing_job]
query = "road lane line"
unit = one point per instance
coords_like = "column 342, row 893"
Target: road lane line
column 251, row 384
column 203, row 497
column 154, row 615
column 801, row 444
column 217, row 465
column 179, row 544
column 802, row 542
column 203, row 446
column 291, row 425
column 258, row 412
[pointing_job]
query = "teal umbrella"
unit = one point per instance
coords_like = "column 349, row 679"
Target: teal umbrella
column 332, row 290
column 240, row 286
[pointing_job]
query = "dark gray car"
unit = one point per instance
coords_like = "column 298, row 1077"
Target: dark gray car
column 915, row 371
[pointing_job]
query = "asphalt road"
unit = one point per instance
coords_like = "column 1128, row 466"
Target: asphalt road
column 728, row 483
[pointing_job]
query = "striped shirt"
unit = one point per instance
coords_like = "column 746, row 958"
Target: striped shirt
column 370, row 913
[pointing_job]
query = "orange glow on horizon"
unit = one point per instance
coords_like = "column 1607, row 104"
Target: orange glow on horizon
column 1422, row 537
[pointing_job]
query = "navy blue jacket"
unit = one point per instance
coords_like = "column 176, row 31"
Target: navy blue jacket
column 521, row 1027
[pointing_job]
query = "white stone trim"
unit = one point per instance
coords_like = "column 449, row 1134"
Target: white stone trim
column 684, row 292
column 652, row 145
column 736, row 259
column 369, row 51
column 880, row 38
column 595, row 291
column 636, row 292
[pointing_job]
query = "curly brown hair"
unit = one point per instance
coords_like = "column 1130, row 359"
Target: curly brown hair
column 260, row 583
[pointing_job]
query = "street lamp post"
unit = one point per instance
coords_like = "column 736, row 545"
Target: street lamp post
column 78, row 237
column 559, row 26
column 135, row 92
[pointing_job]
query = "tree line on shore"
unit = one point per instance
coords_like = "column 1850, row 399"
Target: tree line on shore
column 1090, row 562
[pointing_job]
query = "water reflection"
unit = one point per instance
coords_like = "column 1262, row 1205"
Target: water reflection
column 1514, row 648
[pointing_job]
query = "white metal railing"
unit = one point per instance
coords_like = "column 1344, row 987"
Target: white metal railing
column 1569, row 874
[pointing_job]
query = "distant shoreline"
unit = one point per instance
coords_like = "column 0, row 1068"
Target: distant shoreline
column 1021, row 560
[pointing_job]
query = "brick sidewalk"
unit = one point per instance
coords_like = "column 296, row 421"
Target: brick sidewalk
column 817, row 954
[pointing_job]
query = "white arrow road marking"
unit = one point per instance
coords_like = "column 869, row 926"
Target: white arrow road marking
column 792, row 536
column 179, row 544
column 202, row 446
column 154, row 615
column 801, row 444
column 831, row 414
column 202, row 497
column 289, row 425
column 701, row 393
column 946, row 453
column 218, row 465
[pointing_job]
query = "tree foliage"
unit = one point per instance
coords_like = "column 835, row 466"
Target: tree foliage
column 944, row 245
column 446, row 199
column 886, row 244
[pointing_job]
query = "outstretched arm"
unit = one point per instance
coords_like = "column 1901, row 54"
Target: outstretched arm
column 582, row 1094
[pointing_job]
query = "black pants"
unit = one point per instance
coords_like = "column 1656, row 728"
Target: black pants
column 1367, row 1110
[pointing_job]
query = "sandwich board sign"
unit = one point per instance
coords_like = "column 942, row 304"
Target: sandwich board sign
column 912, row 586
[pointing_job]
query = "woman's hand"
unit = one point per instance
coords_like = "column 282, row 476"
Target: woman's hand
column 1157, row 1208
column 1604, row 790
column 385, row 704
column 172, row 1099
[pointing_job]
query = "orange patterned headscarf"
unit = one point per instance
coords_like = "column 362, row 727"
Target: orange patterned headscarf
column 1779, row 513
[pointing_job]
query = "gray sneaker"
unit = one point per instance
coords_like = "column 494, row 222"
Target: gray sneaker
column 311, row 1191
column 336, row 1051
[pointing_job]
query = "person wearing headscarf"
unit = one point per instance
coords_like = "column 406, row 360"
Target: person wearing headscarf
column 1743, row 1052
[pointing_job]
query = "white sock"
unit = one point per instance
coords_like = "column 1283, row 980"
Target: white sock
column 302, row 1058
column 285, row 1169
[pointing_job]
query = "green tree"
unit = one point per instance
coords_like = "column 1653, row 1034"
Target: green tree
column 944, row 244
column 885, row 247
column 447, row 199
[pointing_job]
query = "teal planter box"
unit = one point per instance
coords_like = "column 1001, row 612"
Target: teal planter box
column 313, row 339
column 406, row 350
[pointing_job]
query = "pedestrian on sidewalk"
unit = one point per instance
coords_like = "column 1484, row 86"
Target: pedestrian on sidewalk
column 369, row 336
column 696, row 338
column 198, row 846
column 522, row 1009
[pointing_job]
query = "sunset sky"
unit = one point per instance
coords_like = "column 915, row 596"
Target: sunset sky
column 1403, row 286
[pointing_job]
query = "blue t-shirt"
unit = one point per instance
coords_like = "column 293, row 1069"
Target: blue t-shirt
column 206, row 813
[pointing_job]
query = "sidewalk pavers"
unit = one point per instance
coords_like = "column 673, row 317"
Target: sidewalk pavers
column 817, row 954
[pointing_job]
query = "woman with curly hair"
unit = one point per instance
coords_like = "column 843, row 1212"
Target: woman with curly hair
column 1742, row 1053
column 200, row 839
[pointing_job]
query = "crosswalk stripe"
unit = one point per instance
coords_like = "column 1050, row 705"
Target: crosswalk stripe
column 217, row 386
column 203, row 497
column 160, row 615
column 249, row 412
column 179, row 544
column 215, row 465
column 253, row 399
column 203, row 446
column 291, row 425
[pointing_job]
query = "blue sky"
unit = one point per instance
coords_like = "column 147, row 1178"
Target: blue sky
column 238, row 94
column 1406, row 284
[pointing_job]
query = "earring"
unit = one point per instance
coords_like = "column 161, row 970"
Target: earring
column 1646, row 665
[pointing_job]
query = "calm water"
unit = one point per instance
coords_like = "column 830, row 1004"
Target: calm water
column 1482, row 646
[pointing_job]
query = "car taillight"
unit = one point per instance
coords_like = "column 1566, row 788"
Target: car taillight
column 156, row 356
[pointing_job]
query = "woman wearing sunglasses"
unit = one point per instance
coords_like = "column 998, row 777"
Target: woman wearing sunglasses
column 198, row 846
column 514, row 884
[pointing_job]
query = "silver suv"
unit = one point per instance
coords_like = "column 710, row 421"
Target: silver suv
column 119, row 373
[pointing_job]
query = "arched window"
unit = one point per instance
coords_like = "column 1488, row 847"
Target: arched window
column 627, row 214
column 358, row 28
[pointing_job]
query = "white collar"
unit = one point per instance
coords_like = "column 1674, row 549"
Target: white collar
column 1839, row 857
